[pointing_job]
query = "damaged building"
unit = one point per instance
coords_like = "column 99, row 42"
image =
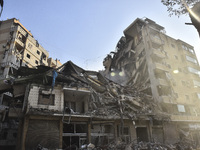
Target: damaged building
column 70, row 107
column 148, row 93
column 161, row 66
column 18, row 48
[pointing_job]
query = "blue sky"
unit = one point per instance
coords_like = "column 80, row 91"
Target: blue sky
column 85, row 31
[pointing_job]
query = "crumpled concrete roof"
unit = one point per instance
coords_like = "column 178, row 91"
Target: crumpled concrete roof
column 108, row 99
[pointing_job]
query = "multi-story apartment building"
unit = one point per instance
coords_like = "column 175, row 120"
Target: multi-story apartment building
column 161, row 66
column 19, row 48
column 54, row 63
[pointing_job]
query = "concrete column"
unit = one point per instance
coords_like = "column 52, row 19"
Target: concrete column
column 89, row 132
column 61, row 134
column 24, row 132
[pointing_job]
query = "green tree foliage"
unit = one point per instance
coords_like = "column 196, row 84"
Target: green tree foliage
column 180, row 7
column 177, row 7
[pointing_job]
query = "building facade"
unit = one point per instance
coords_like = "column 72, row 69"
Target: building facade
column 83, row 107
column 161, row 66
column 19, row 48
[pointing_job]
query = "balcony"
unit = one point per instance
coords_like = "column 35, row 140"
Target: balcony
column 19, row 42
column 22, row 31
column 161, row 66
column 156, row 41
column 185, row 118
column 158, row 53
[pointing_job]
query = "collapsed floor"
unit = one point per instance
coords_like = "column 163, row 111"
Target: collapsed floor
column 69, row 107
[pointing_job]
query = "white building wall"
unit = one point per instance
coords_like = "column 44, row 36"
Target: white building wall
column 34, row 97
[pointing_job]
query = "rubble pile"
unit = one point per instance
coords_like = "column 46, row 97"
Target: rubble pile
column 125, row 100
column 107, row 97
column 81, row 107
column 150, row 146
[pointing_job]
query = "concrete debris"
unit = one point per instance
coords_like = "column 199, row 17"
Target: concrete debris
column 81, row 108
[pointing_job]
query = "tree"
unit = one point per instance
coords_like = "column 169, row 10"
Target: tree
column 179, row 7
column 1, row 3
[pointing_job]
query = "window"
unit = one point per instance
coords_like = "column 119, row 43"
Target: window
column 124, row 133
column 28, row 56
column 196, row 83
column 46, row 99
column 181, row 108
column 38, row 52
column 191, row 50
column 192, row 70
column 184, row 47
column 36, row 62
column 193, row 60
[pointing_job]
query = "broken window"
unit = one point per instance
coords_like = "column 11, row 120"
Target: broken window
column 18, row 47
column 74, row 135
column 46, row 99
column 181, row 108
column 102, row 134
column 36, row 62
column 28, row 56
column 123, row 133
column 142, row 134
column 76, row 100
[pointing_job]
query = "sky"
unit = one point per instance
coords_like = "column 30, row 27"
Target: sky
column 85, row 31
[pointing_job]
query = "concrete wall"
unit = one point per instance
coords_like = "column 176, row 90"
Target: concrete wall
column 43, row 132
column 170, row 133
column 34, row 97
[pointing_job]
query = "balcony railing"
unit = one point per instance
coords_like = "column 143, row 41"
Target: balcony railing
column 22, row 31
